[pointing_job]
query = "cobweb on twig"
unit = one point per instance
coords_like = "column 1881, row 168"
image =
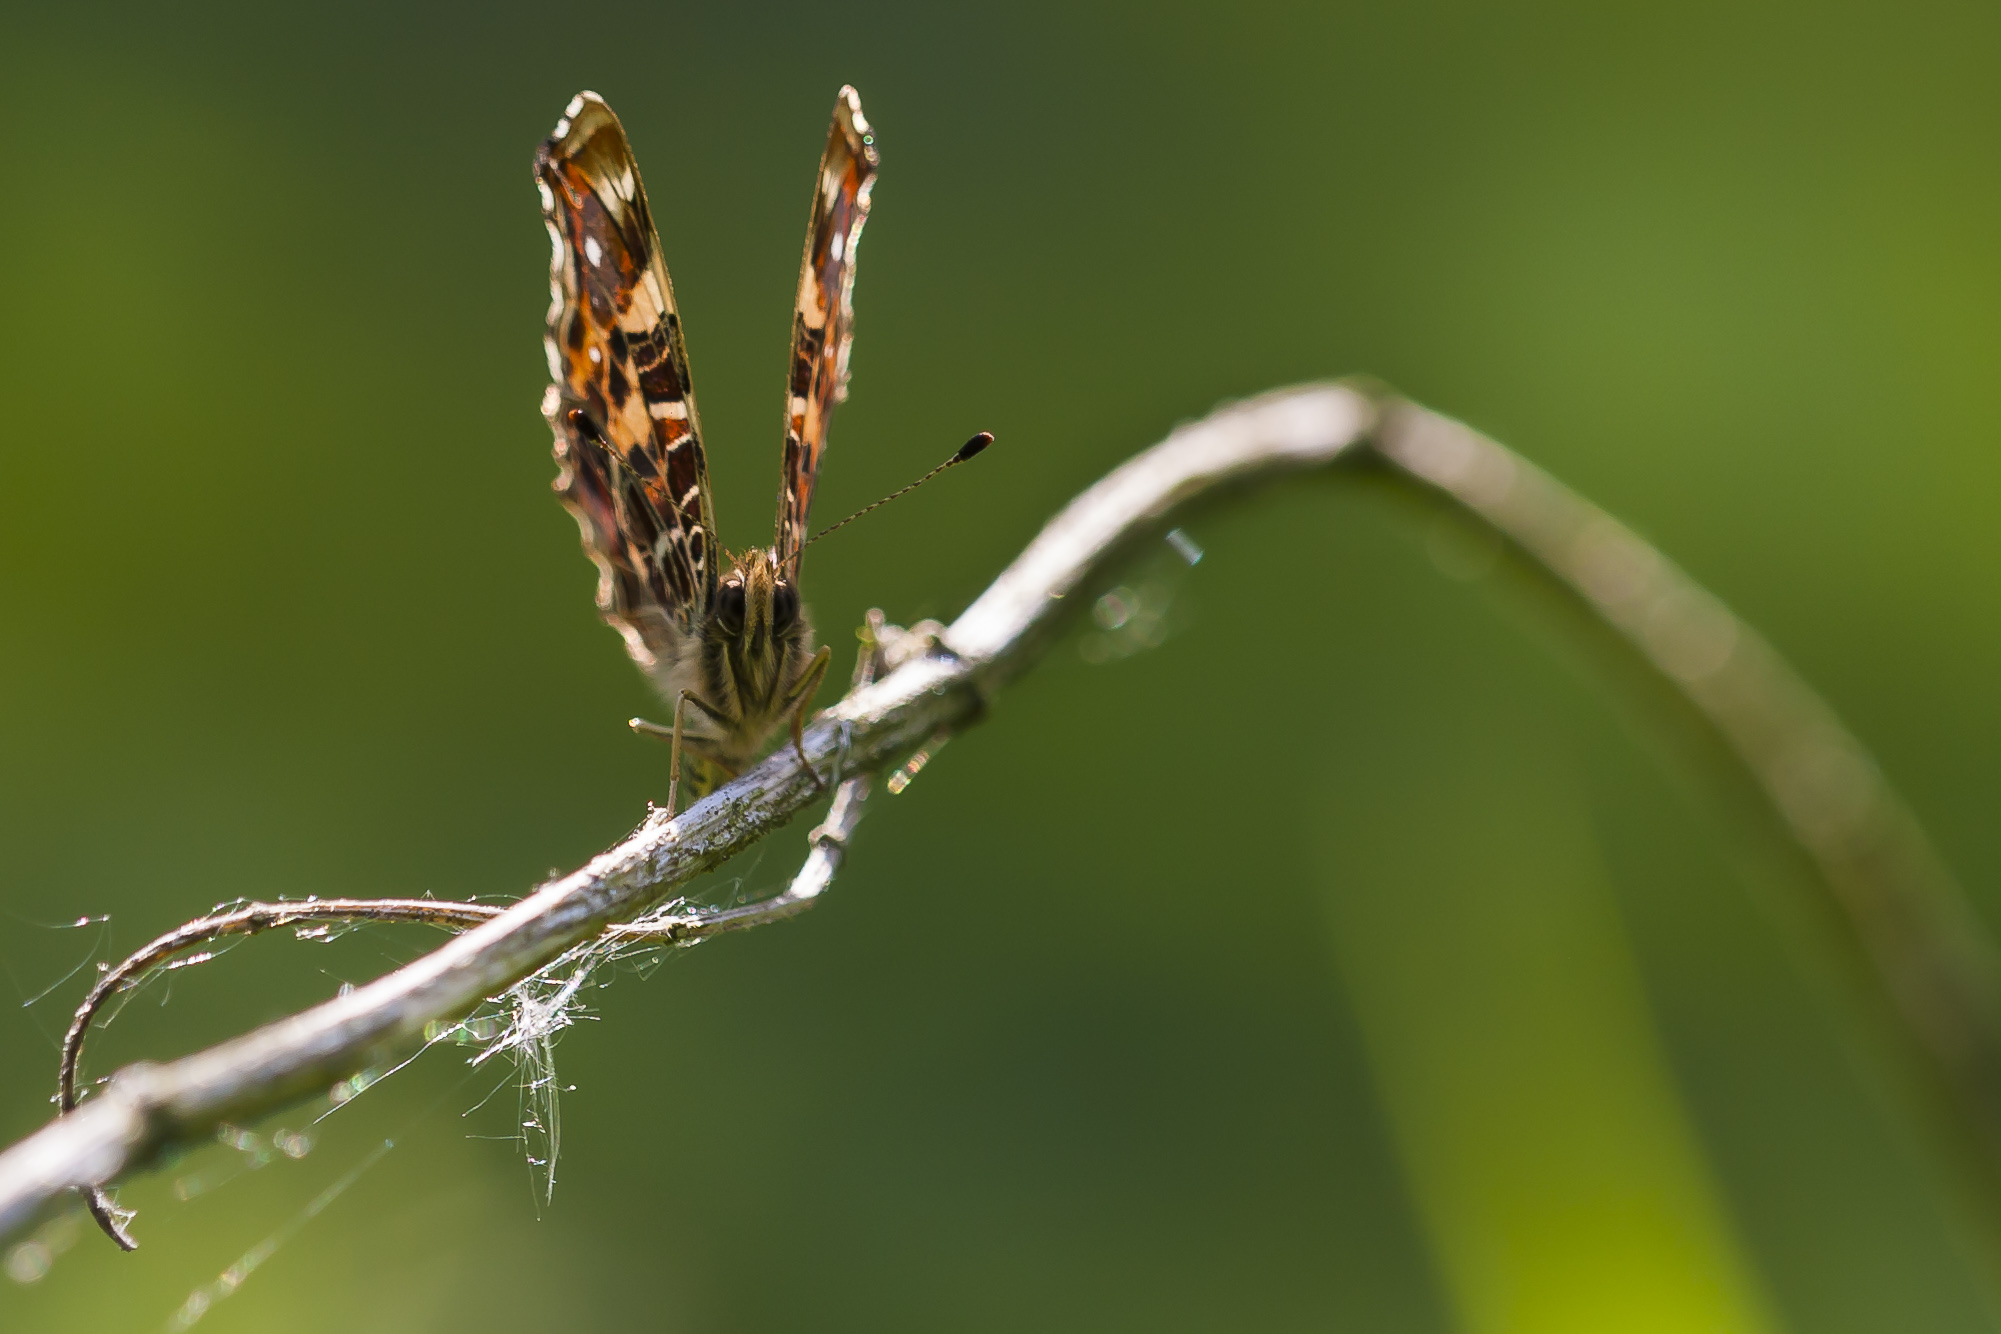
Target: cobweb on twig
column 524, row 1023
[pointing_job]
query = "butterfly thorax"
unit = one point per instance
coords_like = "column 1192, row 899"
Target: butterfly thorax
column 755, row 644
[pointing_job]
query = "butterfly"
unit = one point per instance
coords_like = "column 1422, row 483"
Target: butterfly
column 722, row 636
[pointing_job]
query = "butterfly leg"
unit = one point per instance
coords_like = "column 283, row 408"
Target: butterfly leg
column 800, row 699
column 674, row 764
column 674, row 734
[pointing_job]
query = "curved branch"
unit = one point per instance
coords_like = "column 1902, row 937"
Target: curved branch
column 1933, row 971
column 246, row 919
column 148, row 1107
column 1931, row 965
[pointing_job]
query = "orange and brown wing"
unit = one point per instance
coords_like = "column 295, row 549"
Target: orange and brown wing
column 620, row 405
column 823, row 316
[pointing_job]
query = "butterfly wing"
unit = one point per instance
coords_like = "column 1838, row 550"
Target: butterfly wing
column 621, row 406
column 823, row 316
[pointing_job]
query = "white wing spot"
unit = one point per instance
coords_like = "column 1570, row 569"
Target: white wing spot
column 837, row 246
column 593, row 251
column 673, row 411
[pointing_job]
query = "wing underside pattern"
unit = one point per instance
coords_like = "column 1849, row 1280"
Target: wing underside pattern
column 823, row 316
column 620, row 403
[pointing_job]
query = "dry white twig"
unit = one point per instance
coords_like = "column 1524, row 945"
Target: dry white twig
column 147, row 1107
column 1935, row 973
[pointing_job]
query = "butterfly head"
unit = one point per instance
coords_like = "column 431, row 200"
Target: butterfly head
column 756, row 605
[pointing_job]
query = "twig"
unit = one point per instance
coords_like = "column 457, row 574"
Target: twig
column 247, row 919
column 1934, row 972
column 885, row 644
column 146, row 1107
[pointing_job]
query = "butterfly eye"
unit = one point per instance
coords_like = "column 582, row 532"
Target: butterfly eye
column 784, row 607
column 729, row 608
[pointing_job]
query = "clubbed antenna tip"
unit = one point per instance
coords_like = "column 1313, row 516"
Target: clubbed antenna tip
column 966, row 451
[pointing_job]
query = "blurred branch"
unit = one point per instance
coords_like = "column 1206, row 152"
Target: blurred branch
column 1932, row 970
column 942, row 685
column 1930, row 975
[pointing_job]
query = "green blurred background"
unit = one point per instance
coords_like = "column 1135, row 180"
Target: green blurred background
column 1350, row 961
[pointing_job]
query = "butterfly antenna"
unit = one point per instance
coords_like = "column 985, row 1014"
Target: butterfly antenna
column 966, row 451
